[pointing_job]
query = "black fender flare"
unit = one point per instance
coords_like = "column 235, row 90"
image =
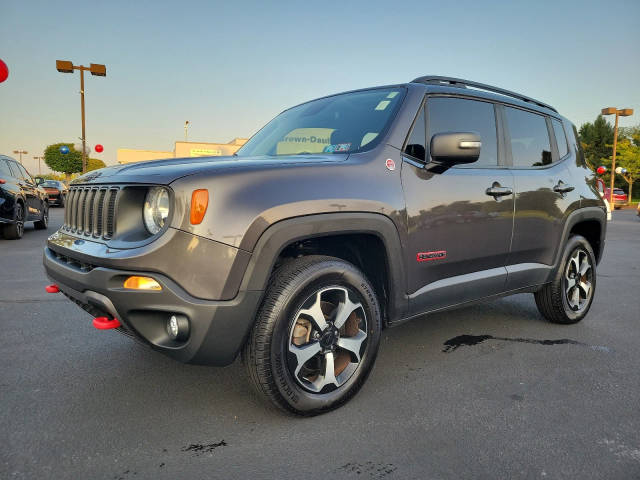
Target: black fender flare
column 577, row 216
column 276, row 237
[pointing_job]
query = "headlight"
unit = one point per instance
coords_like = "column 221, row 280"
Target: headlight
column 156, row 209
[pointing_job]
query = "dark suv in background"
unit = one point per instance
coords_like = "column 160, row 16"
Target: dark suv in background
column 21, row 200
column 342, row 216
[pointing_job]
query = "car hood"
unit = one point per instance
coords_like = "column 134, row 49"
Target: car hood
column 166, row 171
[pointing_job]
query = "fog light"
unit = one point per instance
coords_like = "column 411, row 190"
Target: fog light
column 141, row 283
column 178, row 327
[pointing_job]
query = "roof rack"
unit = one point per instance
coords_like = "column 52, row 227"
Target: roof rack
column 460, row 83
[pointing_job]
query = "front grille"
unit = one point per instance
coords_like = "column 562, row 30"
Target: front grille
column 91, row 211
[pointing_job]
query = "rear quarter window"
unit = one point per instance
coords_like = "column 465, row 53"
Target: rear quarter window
column 4, row 168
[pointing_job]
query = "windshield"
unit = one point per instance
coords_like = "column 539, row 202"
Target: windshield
column 345, row 123
column 50, row 183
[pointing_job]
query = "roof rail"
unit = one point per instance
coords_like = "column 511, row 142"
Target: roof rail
column 460, row 83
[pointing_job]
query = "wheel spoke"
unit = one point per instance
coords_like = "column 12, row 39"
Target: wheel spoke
column 584, row 266
column 353, row 344
column 315, row 313
column 571, row 282
column 344, row 310
column 329, row 376
column 586, row 288
column 575, row 298
column 304, row 354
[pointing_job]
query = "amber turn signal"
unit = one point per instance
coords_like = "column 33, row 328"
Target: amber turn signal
column 141, row 283
column 199, row 203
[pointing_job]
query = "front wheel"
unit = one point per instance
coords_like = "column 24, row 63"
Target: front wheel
column 568, row 297
column 316, row 335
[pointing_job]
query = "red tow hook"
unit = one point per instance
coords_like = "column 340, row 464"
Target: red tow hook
column 53, row 288
column 103, row 323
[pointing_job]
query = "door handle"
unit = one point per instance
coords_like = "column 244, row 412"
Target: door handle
column 497, row 191
column 562, row 187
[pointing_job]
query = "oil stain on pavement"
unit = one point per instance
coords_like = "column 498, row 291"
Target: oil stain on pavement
column 200, row 449
column 471, row 340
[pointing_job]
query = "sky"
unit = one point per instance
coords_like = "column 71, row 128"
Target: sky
column 229, row 67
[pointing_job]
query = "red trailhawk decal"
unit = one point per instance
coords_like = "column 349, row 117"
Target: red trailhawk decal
column 428, row 256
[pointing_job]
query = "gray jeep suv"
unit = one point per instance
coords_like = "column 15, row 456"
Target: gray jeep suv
column 342, row 216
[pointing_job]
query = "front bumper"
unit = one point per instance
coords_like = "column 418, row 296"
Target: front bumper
column 217, row 328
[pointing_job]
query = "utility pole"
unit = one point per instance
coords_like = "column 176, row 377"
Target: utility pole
column 64, row 66
column 623, row 112
column 20, row 152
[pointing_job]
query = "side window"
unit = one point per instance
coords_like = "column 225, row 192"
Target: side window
column 13, row 168
column 461, row 115
column 24, row 174
column 561, row 138
column 530, row 146
column 416, row 143
column 4, row 169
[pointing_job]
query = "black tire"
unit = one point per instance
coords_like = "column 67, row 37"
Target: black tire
column 268, row 355
column 15, row 230
column 556, row 301
column 43, row 223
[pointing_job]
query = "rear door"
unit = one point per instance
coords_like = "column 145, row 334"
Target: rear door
column 544, row 193
column 30, row 192
column 459, row 234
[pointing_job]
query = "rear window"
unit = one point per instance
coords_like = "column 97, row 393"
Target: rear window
column 345, row 123
column 530, row 146
column 617, row 191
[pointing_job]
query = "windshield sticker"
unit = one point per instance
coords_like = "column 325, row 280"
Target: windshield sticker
column 392, row 94
column 383, row 104
column 337, row 148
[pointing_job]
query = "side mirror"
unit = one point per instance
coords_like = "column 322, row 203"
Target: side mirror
column 39, row 180
column 455, row 147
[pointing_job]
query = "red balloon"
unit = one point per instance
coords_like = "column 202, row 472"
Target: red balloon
column 4, row 71
column 99, row 148
column 601, row 170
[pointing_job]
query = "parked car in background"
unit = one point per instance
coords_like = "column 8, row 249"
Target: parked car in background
column 56, row 191
column 601, row 187
column 20, row 200
column 619, row 197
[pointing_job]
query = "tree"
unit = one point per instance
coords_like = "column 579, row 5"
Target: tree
column 596, row 139
column 628, row 155
column 65, row 163
column 68, row 163
column 94, row 164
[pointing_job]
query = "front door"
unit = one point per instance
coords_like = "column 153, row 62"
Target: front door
column 460, row 220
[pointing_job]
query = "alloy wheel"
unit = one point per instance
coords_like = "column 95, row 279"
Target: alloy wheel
column 578, row 280
column 327, row 340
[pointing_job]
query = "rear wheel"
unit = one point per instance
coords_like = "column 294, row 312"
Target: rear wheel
column 15, row 230
column 316, row 335
column 568, row 297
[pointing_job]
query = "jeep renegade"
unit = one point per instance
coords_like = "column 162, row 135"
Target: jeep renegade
column 342, row 216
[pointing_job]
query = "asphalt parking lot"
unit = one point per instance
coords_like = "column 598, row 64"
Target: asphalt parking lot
column 80, row 403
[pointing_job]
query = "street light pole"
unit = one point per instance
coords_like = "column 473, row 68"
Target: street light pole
column 64, row 66
column 39, row 169
column 186, row 130
column 623, row 112
column 20, row 152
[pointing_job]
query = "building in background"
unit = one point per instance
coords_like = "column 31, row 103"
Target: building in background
column 181, row 150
